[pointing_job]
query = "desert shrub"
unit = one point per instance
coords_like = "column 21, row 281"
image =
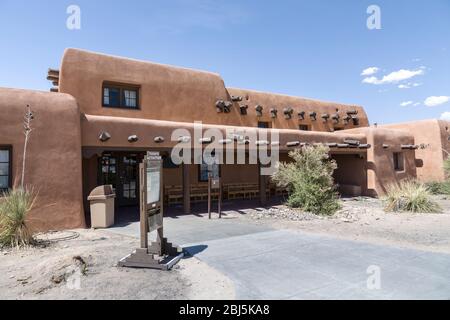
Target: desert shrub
column 14, row 208
column 410, row 196
column 439, row 188
column 447, row 168
column 310, row 180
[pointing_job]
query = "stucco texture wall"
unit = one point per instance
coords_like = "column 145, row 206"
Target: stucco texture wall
column 53, row 165
column 433, row 138
column 178, row 94
column 380, row 161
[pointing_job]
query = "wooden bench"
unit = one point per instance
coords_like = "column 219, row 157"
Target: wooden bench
column 235, row 191
column 173, row 195
column 241, row 191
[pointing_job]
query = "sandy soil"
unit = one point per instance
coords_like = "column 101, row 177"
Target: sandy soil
column 86, row 268
column 363, row 219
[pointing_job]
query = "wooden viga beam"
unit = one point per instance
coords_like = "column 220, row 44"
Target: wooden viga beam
column 409, row 147
column 52, row 78
column 53, row 73
column 54, row 89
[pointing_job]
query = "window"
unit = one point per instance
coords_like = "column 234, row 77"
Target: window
column 120, row 96
column 5, row 168
column 263, row 125
column 303, row 127
column 111, row 97
column 399, row 162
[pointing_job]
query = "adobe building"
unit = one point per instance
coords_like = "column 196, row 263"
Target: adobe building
column 104, row 113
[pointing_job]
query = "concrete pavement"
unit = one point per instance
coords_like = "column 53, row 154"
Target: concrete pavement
column 280, row 264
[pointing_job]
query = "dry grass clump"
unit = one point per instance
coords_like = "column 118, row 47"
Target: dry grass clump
column 410, row 196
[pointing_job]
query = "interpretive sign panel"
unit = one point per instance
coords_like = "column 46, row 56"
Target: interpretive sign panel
column 161, row 254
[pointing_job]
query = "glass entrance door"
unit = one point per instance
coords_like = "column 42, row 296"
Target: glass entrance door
column 129, row 184
column 121, row 170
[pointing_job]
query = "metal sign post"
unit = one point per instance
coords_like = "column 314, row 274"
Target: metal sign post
column 161, row 254
column 214, row 184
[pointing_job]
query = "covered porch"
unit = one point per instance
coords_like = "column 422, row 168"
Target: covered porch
column 185, row 187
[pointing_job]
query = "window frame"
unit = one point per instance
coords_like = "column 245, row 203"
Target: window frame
column 122, row 88
column 399, row 161
column 10, row 165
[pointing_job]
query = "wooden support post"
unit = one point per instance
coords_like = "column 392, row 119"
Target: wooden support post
column 262, row 188
column 186, row 189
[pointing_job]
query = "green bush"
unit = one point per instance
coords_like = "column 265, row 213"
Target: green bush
column 310, row 180
column 410, row 196
column 14, row 208
column 439, row 188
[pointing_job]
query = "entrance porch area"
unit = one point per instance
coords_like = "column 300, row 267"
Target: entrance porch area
column 186, row 186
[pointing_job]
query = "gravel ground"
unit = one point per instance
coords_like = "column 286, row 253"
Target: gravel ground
column 363, row 219
column 84, row 266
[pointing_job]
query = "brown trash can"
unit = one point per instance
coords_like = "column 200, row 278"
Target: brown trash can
column 102, row 207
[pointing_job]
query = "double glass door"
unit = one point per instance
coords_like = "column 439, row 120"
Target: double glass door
column 121, row 170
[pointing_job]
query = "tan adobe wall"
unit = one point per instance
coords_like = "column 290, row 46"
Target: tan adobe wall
column 53, row 165
column 184, row 95
column 433, row 137
column 280, row 102
column 380, row 160
column 146, row 130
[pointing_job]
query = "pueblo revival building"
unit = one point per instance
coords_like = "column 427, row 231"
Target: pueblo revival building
column 104, row 113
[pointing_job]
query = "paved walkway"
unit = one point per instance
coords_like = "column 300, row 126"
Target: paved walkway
column 280, row 264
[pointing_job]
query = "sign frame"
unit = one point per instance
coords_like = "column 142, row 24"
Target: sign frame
column 161, row 254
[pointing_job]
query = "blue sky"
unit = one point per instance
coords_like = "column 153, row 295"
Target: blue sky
column 315, row 49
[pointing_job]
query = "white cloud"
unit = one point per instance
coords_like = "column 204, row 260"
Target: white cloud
column 406, row 103
column 445, row 116
column 370, row 71
column 436, row 101
column 409, row 85
column 395, row 77
column 416, row 104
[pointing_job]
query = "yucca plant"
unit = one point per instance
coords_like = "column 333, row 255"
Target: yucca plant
column 14, row 208
column 410, row 196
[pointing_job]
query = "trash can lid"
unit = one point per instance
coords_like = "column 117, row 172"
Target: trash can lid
column 102, row 193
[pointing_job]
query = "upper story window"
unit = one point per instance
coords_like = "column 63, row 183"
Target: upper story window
column 120, row 96
column 5, row 169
